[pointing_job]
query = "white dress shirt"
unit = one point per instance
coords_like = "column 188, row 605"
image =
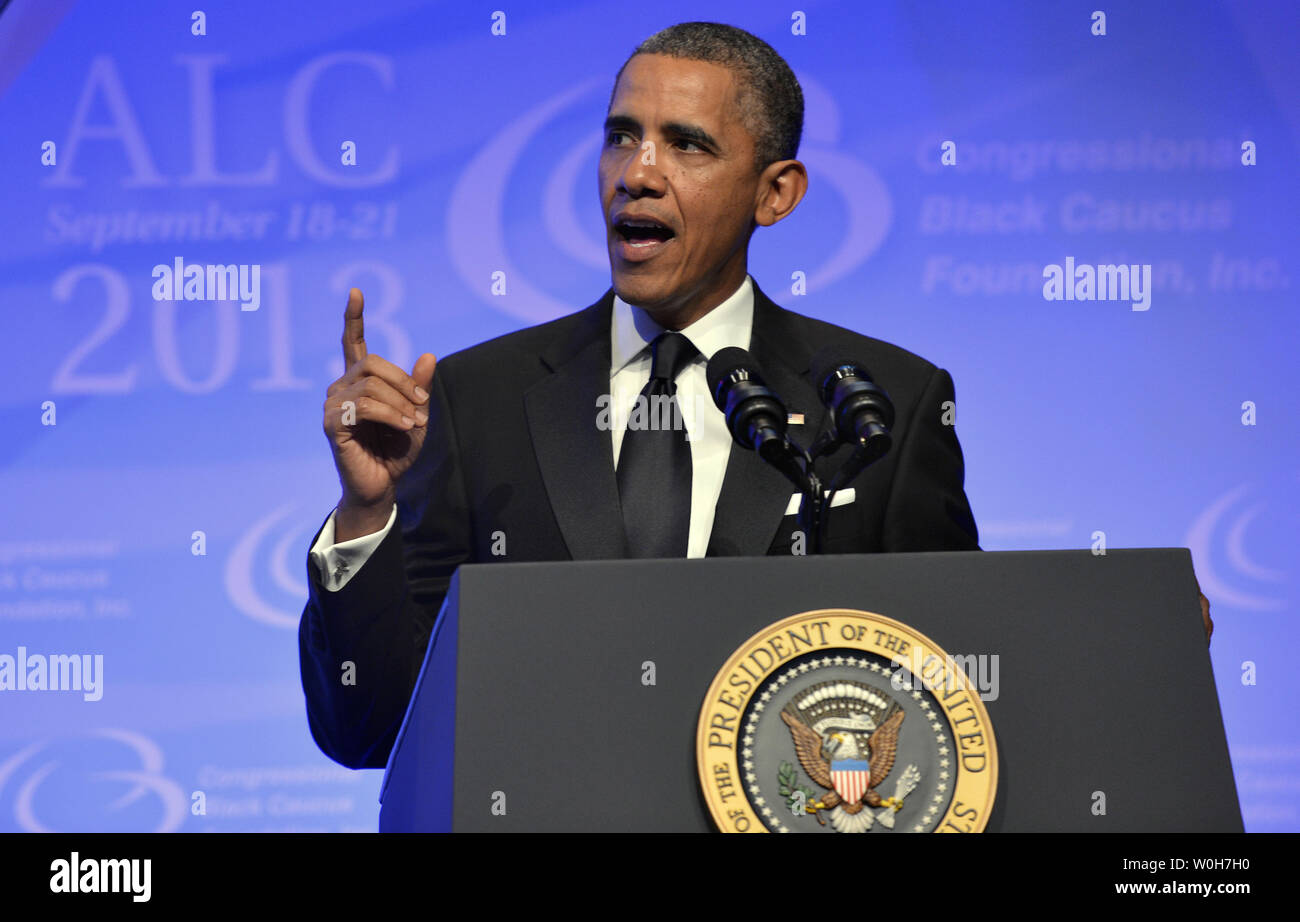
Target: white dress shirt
column 631, row 332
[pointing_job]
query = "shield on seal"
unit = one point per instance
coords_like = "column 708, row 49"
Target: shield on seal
column 852, row 778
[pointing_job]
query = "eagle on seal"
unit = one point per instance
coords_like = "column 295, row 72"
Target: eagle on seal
column 817, row 753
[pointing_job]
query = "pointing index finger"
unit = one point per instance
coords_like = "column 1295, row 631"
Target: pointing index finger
column 354, row 339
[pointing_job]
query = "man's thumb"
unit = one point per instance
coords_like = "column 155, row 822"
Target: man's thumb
column 422, row 372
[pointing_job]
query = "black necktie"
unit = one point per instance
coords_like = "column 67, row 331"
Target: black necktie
column 654, row 462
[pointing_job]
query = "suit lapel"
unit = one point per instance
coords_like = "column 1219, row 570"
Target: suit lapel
column 754, row 495
column 575, row 457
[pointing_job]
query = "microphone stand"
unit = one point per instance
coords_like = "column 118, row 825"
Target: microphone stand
column 817, row 500
column 796, row 464
column 810, row 510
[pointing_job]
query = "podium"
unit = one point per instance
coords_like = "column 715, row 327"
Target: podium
column 534, row 712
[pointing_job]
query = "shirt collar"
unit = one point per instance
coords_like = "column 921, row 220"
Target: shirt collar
column 728, row 324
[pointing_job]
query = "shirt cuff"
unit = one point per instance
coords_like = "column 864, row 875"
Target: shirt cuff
column 338, row 563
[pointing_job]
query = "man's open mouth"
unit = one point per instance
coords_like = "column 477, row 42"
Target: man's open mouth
column 642, row 232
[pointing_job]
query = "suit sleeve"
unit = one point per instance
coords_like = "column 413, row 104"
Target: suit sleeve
column 337, row 562
column 927, row 509
column 381, row 620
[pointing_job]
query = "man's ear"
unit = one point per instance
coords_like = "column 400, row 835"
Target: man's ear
column 781, row 186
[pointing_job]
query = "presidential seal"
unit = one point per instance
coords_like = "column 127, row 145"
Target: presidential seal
column 845, row 721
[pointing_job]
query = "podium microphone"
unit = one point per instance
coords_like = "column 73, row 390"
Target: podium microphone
column 861, row 412
column 861, row 415
column 756, row 417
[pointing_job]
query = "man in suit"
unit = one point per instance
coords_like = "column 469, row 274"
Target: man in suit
column 506, row 454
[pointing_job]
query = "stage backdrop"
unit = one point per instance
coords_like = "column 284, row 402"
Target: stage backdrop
column 163, row 461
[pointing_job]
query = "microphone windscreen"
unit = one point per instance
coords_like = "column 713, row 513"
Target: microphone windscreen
column 725, row 361
column 827, row 360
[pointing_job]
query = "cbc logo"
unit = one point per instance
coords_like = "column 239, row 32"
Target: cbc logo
column 68, row 785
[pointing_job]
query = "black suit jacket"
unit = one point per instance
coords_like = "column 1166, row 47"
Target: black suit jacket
column 514, row 456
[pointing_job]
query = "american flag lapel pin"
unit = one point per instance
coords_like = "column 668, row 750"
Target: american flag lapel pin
column 794, row 419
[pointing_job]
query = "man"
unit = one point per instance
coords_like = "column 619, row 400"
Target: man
column 508, row 453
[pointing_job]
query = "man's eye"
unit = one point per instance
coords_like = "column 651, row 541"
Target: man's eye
column 615, row 135
column 691, row 144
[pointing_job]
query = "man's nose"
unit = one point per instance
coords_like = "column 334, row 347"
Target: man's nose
column 642, row 173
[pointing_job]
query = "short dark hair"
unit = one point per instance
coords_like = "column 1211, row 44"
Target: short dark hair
column 770, row 99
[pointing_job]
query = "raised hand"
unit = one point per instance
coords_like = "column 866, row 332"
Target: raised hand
column 375, row 418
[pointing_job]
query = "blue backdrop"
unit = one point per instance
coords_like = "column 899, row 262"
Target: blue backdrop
column 163, row 461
